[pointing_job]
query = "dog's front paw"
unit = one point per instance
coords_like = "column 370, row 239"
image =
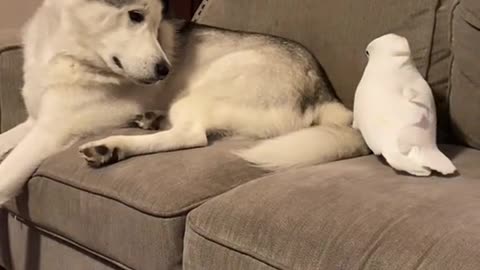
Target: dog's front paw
column 97, row 154
column 155, row 120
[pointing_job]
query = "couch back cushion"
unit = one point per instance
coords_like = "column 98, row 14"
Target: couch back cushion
column 338, row 31
column 465, row 73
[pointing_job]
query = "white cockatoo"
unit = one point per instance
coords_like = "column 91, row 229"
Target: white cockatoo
column 394, row 110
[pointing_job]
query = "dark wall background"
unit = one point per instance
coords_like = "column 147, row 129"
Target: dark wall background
column 14, row 13
column 184, row 8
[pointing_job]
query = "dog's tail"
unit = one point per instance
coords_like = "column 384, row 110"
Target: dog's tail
column 332, row 140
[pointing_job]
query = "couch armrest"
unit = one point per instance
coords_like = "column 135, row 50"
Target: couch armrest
column 9, row 38
column 12, row 109
column 4, row 243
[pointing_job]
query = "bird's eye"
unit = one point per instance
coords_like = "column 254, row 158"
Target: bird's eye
column 136, row 16
column 367, row 53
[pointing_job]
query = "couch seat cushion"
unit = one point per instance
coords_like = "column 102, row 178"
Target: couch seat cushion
column 352, row 214
column 132, row 212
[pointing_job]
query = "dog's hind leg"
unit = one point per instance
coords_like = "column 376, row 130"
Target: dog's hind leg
column 11, row 138
column 153, row 120
column 24, row 159
column 116, row 148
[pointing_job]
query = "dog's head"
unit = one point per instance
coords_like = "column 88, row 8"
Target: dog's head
column 130, row 37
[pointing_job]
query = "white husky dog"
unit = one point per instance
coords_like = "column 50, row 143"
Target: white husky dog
column 92, row 65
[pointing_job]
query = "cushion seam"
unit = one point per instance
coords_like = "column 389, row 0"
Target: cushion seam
column 471, row 17
column 10, row 48
column 173, row 215
column 466, row 16
column 67, row 241
column 432, row 38
column 452, row 61
column 165, row 215
column 230, row 246
column 451, row 30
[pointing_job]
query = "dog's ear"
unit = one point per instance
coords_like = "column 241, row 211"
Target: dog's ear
column 166, row 7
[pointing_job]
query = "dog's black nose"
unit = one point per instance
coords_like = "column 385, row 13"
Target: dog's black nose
column 117, row 62
column 161, row 70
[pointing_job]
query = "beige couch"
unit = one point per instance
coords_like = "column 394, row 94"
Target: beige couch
column 205, row 209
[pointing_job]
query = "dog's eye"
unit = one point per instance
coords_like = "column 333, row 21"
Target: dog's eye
column 136, row 16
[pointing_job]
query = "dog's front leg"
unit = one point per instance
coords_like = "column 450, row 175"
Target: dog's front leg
column 24, row 159
column 9, row 139
column 116, row 148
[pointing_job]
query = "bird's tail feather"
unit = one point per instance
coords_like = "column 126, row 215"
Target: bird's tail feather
column 434, row 159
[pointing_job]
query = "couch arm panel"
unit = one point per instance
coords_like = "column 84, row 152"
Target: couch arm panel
column 12, row 109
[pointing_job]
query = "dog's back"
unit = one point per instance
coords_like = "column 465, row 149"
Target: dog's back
column 254, row 86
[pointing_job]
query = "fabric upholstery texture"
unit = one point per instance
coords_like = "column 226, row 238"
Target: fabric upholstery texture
column 465, row 81
column 12, row 110
column 201, row 253
column 353, row 214
column 135, row 209
column 439, row 65
column 35, row 250
column 4, row 242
